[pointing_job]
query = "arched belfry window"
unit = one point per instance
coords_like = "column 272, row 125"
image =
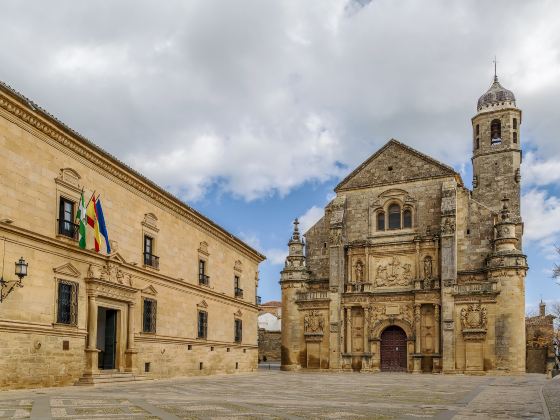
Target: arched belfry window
column 380, row 220
column 394, row 216
column 495, row 132
column 407, row 218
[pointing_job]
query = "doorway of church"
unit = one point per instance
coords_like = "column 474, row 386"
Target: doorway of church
column 393, row 350
column 106, row 337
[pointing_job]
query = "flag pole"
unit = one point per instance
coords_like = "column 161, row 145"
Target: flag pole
column 90, row 199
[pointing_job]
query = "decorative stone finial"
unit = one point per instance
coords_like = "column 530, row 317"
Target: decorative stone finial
column 295, row 236
column 505, row 209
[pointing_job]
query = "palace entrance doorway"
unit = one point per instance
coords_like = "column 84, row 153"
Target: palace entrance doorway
column 107, row 337
column 393, row 350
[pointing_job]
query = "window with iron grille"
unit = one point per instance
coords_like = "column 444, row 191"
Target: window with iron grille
column 66, row 225
column 202, row 324
column 202, row 277
column 238, row 330
column 149, row 315
column 67, row 302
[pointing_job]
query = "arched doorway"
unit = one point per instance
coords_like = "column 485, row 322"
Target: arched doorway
column 393, row 349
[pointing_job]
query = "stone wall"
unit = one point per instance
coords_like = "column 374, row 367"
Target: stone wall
column 270, row 343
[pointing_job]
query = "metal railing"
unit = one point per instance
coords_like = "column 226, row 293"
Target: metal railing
column 151, row 260
column 258, row 300
column 238, row 292
column 203, row 279
column 314, row 295
column 67, row 228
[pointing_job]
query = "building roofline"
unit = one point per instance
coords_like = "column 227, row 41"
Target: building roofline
column 391, row 142
column 73, row 135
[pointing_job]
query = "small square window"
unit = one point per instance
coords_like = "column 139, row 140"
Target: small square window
column 189, row 347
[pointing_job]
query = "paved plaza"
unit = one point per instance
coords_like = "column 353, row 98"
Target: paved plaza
column 271, row 394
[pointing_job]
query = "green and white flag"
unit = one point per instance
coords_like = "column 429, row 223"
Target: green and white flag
column 81, row 217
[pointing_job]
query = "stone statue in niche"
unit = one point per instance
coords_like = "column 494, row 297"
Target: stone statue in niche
column 359, row 272
column 427, row 268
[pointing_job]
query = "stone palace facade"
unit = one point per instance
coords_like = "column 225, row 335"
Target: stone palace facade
column 408, row 270
column 176, row 295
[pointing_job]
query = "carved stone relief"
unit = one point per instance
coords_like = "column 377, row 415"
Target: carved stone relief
column 313, row 322
column 448, row 226
column 474, row 317
column 393, row 272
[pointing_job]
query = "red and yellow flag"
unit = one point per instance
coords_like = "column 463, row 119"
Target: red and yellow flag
column 92, row 220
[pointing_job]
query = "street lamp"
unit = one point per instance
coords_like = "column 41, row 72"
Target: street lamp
column 6, row 286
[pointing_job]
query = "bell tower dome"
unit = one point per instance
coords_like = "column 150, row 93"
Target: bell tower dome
column 497, row 149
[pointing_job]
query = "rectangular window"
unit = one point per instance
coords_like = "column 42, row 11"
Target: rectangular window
column 202, row 324
column 149, row 258
column 238, row 330
column 202, row 277
column 67, row 303
column 149, row 316
column 236, row 287
column 66, row 224
column 515, row 123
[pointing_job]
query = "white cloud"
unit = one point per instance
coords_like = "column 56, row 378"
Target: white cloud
column 537, row 171
column 310, row 217
column 276, row 255
column 541, row 213
column 258, row 98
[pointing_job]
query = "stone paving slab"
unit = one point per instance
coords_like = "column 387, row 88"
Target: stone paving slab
column 272, row 394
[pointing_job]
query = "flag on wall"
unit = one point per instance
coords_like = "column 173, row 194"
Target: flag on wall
column 101, row 224
column 93, row 221
column 81, row 218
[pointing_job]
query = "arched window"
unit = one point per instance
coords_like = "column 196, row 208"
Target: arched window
column 514, row 137
column 380, row 221
column 407, row 218
column 394, row 216
column 495, row 132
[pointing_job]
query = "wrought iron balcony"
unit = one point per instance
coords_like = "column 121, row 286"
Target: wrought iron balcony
column 238, row 292
column 151, row 260
column 258, row 300
column 69, row 229
column 204, row 280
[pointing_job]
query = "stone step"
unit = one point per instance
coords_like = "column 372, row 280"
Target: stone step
column 108, row 378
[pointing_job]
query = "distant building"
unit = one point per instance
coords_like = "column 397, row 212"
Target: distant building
column 270, row 325
column 540, row 341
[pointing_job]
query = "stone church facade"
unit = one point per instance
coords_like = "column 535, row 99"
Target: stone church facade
column 175, row 296
column 408, row 270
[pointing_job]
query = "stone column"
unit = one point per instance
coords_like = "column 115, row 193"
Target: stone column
column 437, row 322
column 417, row 368
column 91, row 350
column 131, row 352
column 437, row 328
column 366, row 330
column 92, row 323
column 348, row 330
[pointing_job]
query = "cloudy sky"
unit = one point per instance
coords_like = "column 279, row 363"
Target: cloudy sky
column 252, row 110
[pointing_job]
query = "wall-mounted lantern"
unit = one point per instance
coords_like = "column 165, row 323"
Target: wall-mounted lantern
column 8, row 285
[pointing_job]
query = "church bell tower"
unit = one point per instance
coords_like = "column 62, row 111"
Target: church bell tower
column 497, row 150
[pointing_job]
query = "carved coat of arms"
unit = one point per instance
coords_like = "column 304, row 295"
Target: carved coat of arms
column 474, row 317
column 313, row 322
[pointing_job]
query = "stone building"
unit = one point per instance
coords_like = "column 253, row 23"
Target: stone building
column 408, row 270
column 270, row 327
column 175, row 296
column 540, row 341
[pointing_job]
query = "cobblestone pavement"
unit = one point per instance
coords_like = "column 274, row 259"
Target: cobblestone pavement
column 271, row 394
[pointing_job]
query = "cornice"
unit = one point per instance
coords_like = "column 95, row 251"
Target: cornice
column 85, row 256
column 40, row 120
